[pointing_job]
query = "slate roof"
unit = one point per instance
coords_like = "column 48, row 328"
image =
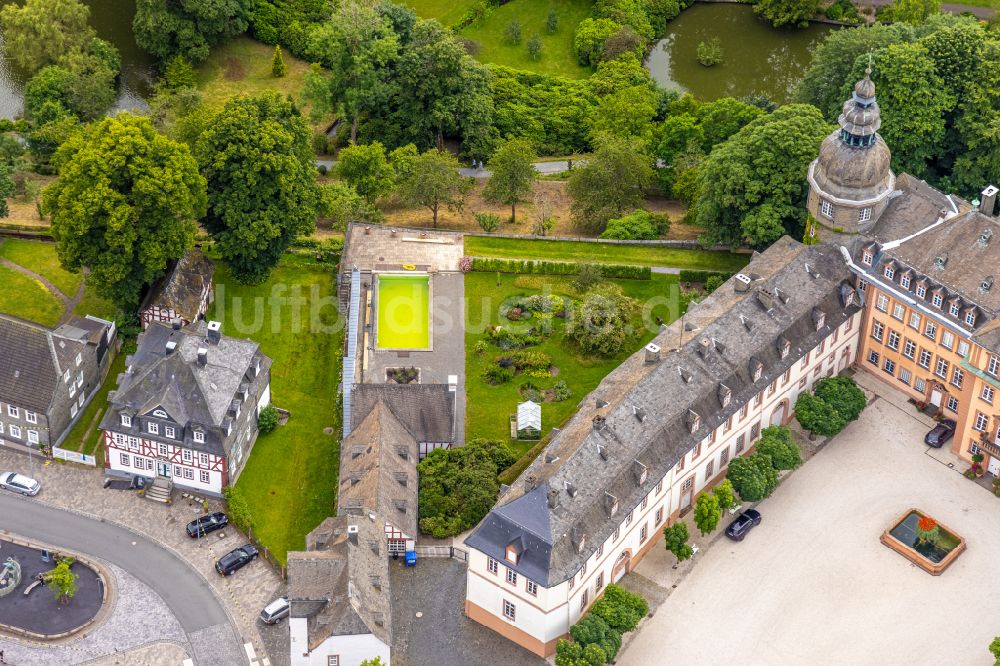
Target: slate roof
column 182, row 288
column 590, row 457
column 192, row 394
column 427, row 411
column 32, row 358
column 921, row 225
column 340, row 585
column 378, row 470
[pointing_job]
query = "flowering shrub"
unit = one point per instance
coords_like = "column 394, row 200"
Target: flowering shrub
column 928, row 530
column 465, row 264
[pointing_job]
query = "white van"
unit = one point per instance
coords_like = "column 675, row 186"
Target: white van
column 275, row 611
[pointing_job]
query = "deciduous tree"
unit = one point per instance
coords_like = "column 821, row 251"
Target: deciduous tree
column 818, row 416
column 726, row 495
column 188, row 27
column 262, row 193
column 753, row 476
column 434, row 182
column 600, row 324
column 512, row 174
column 366, row 168
column 675, row 538
column 752, row 187
column 6, row 189
column 62, row 580
column 787, row 12
column 41, row 32
column 777, row 442
column 611, row 183
column 843, row 394
column 707, row 513
column 124, row 205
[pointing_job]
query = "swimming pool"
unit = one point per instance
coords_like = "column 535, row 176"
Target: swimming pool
column 403, row 312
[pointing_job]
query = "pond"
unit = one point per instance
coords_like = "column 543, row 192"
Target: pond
column 112, row 19
column 756, row 57
column 906, row 533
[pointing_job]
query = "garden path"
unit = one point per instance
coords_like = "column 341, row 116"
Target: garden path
column 69, row 304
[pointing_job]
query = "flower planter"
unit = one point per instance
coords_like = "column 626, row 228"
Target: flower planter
column 933, row 558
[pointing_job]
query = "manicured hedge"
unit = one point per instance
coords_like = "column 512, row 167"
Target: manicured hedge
column 529, row 267
column 702, row 276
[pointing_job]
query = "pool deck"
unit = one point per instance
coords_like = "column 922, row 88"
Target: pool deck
column 375, row 246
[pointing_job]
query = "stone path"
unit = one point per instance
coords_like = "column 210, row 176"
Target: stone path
column 138, row 617
column 80, row 490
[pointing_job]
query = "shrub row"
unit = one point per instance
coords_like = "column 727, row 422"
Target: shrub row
column 702, row 276
column 597, row 637
column 530, row 267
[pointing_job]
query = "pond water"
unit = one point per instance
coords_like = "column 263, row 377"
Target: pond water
column 112, row 19
column 756, row 57
column 906, row 533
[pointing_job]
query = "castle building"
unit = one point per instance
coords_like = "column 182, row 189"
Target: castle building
column 902, row 286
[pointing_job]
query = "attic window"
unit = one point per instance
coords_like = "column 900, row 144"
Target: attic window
column 610, row 504
column 747, row 324
column 400, row 505
column 890, row 271
column 984, row 238
column 970, row 318
column 940, row 261
column 356, row 451
column 725, row 395
column 819, row 318
column 376, row 582
column 570, row 489
column 512, row 554
column 199, row 437
column 867, row 258
column 640, row 471
column 986, row 284
column 159, row 413
column 126, row 420
column 685, row 375
column 756, row 368
column 401, row 478
column 579, row 539
column 784, row 346
column 693, row 421
column 403, row 452
column 954, row 309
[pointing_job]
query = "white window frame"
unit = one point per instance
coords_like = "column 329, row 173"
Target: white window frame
column 921, row 290
column 952, row 403
column 826, row 208
column 199, row 437
column 981, row 421
column 970, row 318
column 904, row 281
column 987, row 394
column 509, row 610
column 993, row 366
column 937, row 300
column 30, row 417
column 867, row 258
column 168, row 431
column 13, row 411
column 511, row 576
column 882, row 302
column 205, row 476
column 865, row 214
column 187, row 456
column 153, row 428
column 126, row 420
column 889, row 272
column 33, row 436
column 492, row 565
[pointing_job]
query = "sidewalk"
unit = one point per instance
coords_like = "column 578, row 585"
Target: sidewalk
column 80, row 490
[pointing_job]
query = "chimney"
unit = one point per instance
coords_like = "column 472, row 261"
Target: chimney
column 742, row 283
column 766, row 298
column 171, row 347
column 175, row 324
column 553, row 498
column 529, row 483
column 652, row 353
column 989, row 200
column 202, row 356
column 703, row 346
column 352, row 534
column 214, row 332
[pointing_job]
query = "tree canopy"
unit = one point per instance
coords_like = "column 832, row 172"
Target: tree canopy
column 611, row 183
column 124, row 205
column 41, row 32
column 600, row 324
column 787, row 12
column 188, row 28
column 433, row 181
column 777, row 442
column 753, row 476
column 256, row 158
column 512, row 174
column 752, row 187
column 366, row 168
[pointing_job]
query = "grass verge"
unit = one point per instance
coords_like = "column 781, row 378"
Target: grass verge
column 85, row 436
column 489, row 407
column 41, row 258
column 604, row 253
column 28, row 298
column 290, row 480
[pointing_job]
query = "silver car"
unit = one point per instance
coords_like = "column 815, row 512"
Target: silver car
column 19, row 483
column 275, row 611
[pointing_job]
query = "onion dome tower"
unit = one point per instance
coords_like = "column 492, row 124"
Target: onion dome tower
column 850, row 182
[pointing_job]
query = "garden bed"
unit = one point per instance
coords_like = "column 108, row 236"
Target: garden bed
column 924, row 541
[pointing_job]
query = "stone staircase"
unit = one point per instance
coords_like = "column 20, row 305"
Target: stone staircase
column 160, row 490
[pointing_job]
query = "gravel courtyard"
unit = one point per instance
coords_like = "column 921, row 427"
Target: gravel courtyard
column 813, row 585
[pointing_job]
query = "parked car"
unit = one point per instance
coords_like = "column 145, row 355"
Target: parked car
column 940, row 434
column 236, row 559
column 746, row 521
column 206, row 524
column 19, row 483
column 275, row 611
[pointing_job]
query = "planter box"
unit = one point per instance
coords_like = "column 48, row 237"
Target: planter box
column 910, row 553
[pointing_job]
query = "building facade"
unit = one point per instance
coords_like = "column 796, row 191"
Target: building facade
column 657, row 431
column 184, row 293
column 186, row 408
column 47, row 376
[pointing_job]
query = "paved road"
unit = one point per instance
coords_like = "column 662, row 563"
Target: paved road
column 185, row 592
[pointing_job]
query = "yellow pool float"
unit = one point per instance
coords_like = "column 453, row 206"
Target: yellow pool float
column 409, row 267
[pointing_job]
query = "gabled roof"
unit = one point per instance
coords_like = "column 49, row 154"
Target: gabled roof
column 596, row 452
column 32, row 358
column 427, row 411
column 342, row 584
column 182, row 288
column 373, row 474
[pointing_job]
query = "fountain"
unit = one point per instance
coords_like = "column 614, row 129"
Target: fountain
column 10, row 576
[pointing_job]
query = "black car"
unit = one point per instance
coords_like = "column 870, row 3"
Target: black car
column 941, row 433
column 206, row 524
column 236, row 559
column 744, row 522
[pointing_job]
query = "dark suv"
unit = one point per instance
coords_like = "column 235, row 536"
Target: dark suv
column 206, row 524
column 744, row 522
column 941, row 433
column 236, row 559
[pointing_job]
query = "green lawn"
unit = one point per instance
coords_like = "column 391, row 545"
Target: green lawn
column 243, row 66
column 290, row 480
column 488, row 408
column 41, row 258
column 28, row 298
column 605, row 253
column 92, row 304
column 85, row 436
column 445, row 11
column 557, row 55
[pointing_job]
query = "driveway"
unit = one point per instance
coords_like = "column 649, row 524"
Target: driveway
column 813, row 584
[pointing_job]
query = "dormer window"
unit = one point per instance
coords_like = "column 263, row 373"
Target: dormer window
column 921, row 291
column 953, row 309
column 725, row 395
column 199, row 437
column 693, row 421
column 986, row 285
column 904, row 281
column 819, row 318
column 610, row 504
column 784, row 346
column 758, row 369
column 890, row 272
column 970, row 318
column 511, row 554
column 126, row 420
column 867, row 258
column 168, row 431
column 79, row 359
column 153, row 428
column 937, row 300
